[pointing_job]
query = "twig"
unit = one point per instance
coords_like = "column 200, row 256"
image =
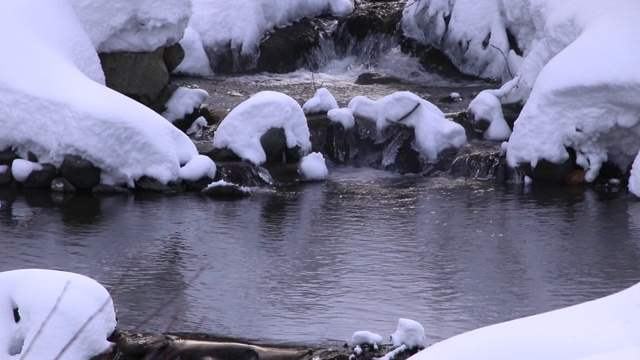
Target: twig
column 46, row 320
column 506, row 61
column 406, row 115
column 83, row 327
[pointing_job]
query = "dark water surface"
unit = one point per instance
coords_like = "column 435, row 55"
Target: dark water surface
column 324, row 260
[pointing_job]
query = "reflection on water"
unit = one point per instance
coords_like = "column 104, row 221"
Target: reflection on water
column 325, row 260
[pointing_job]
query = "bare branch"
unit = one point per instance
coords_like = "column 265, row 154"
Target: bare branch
column 506, row 61
column 406, row 115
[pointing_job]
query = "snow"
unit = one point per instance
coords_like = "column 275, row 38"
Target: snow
column 434, row 133
column 242, row 129
column 80, row 312
column 242, row 25
column 125, row 25
column 183, row 102
column 199, row 167
column 4, row 169
column 197, row 127
column 409, row 333
column 195, row 60
column 313, row 167
column 486, row 106
column 21, row 169
column 53, row 101
column 575, row 74
column 605, row 328
column 365, row 337
column 222, row 183
column 321, row 102
column 343, row 116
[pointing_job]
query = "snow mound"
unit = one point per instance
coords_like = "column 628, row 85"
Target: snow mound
column 603, row 328
column 409, row 333
column 321, row 102
column 199, row 167
column 125, row 25
column 242, row 25
column 313, row 167
column 195, row 60
column 242, row 129
column 434, row 133
column 197, row 127
column 44, row 310
column 487, row 107
column 76, row 113
column 183, row 102
column 365, row 337
column 343, row 116
column 21, row 169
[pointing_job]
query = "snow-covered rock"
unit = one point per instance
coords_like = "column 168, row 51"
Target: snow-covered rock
column 242, row 129
column 409, row 333
column 573, row 62
column 365, row 337
column 486, row 107
column 183, row 102
column 601, row 329
column 41, row 311
column 313, row 167
column 21, row 169
column 76, row 114
column 433, row 132
column 199, row 167
column 195, row 60
column 242, row 24
column 343, row 116
column 126, row 25
column 321, row 102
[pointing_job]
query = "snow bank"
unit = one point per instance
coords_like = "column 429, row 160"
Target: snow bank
column 313, row 167
column 321, row 102
column 599, row 329
column 581, row 55
column 79, row 310
column 126, row 25
column 365, row 337
column 409, row 333
column 195, row 60
column 242, row 129
column 242, row 25
column 434, row 133
column 53, row 101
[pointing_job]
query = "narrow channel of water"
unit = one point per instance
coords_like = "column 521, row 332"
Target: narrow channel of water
column 323, row 260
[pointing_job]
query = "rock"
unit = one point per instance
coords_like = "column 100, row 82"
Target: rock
column 110, row 189
column 141, row 76
column 432, row 59
column 226, row 190
column 173, row 56
column 81, row 173
column 199, row 184
column 368, row 18
column 374, row 78
column 274, row 143
column 6, row 178
column 62, row 185
column 7, row 156
column 41, row 179
column 547, row 171
column 284, row 49
column 148, row 184
column 244, row 174
column 159, row 103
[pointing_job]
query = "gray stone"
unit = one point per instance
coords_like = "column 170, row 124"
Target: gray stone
column 81, row 173
column 173, row 56
column 141, row 76
column 148, row 184
column 41, row 179
column 7, row 156
column 274, row 144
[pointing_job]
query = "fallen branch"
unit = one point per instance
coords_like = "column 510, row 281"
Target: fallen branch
column 406, row 115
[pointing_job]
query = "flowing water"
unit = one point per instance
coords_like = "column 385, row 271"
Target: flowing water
column 320, row 261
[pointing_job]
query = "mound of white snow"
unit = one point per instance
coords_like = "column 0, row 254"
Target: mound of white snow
column 199, row 167
column 343, row 116
column 60, row 71
column 195, row 60
column 313, row 167
column 434, row 133
column 183, row 102
column 365, row 337
column 602, row 329
column 44, row 310
column 242, row 129
column 321, row 102
column 242, row 24
column 126, row 25
column 409, row 333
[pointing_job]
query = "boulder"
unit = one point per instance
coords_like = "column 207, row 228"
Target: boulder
column 6, row 178
column 173, row 56
column 81, row 173
column 148, row 184
column 141, row 76
column 7, row 156
column 225, row 190
column 375, row 78
column 284, row 49
column 547, row 171
column 41, row 179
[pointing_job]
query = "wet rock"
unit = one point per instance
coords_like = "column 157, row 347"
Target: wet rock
column 7, row 156
column 139, row 75
column 41, row 179
column 110, row 189
column 199, row 184
column 230, row 60
column 274, row 144
column 371, row 17
column 374, row 78
column 226, row 190
column 6, row 178
column 243, row 173
column 173, row 56
column 546, row 171
column 62, row 185
column 433, row 60
column 81, row 173
column 284, row 49
column 148, row 184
